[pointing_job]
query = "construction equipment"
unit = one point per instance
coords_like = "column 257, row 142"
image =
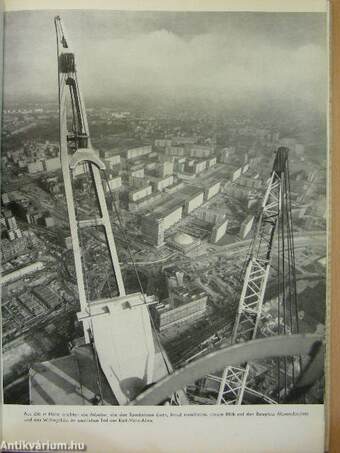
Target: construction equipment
column 274, row 220
column 119, row 327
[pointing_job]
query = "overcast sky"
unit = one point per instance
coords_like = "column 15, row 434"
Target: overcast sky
column 218, row 56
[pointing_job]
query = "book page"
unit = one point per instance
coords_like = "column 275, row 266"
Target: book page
column 165, row 212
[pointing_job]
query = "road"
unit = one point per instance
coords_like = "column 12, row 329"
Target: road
column 300, row 240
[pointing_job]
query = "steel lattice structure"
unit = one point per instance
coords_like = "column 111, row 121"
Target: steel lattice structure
column 274, row 220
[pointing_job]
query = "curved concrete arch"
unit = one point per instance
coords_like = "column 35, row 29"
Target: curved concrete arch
column 86, row 155
column 264, row 348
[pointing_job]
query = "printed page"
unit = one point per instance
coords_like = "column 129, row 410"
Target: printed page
column 164, row 214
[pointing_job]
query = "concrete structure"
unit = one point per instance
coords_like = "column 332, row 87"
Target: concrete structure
column 163, row 142
column 52, row 164
column 200, row 151
column 20, row 273
column 176, row 151
column 225, row 154
column 113, row 162
column 175, row 187
column 218, row 231
column 152, row 229
column 245, row 168
column 114, row 183
column 193, row 202
column 10, row 221
column 182, row 306
column 140, row 151
column 212, row 162
column 48, row 221
column 184, row 140
column 164, row 169
column 65, row 241
column 154, row 224
column 212, row 190
column 160, row 184
column 183, row 242
column 137, row 173
column 172, row 217
column 180, row 200
column 145, row 203
column 210, row 215
column 237, row 173
column 199, row 166
column 246, row 227
column 79, row 170
column 179, row 165
column 138, row 194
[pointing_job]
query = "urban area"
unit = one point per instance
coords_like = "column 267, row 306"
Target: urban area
column 183, row 190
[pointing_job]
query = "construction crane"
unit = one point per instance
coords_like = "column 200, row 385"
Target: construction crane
column 274, row 220
column 119, row 327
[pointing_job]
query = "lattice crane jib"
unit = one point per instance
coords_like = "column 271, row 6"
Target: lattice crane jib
column 119, row 327
column 233, row 381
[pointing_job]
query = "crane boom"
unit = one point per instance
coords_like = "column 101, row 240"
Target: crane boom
column 232, row 383
column 119, row 327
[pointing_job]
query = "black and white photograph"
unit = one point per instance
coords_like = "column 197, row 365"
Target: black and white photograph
column 164, row 210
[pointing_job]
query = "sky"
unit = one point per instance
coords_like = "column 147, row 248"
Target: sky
column 160, row 56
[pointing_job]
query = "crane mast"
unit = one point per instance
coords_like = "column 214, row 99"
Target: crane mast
column 119, row 327
column 232, row 383
column 78, row 142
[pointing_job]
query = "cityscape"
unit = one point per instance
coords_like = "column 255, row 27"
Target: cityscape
column 183, row 188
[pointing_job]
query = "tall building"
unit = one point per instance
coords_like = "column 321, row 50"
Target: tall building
column 218, row 231
column 134, row 153
column 140, row 193
column 154, row 224
column 246, row 226
column 114, row 183
column 159, row 184
column 153, row 229
column 182, row 305
column 164, row 169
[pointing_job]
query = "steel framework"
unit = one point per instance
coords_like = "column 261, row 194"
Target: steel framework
column 232, row 383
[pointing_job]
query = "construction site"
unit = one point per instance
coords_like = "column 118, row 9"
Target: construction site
column 169, row 270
